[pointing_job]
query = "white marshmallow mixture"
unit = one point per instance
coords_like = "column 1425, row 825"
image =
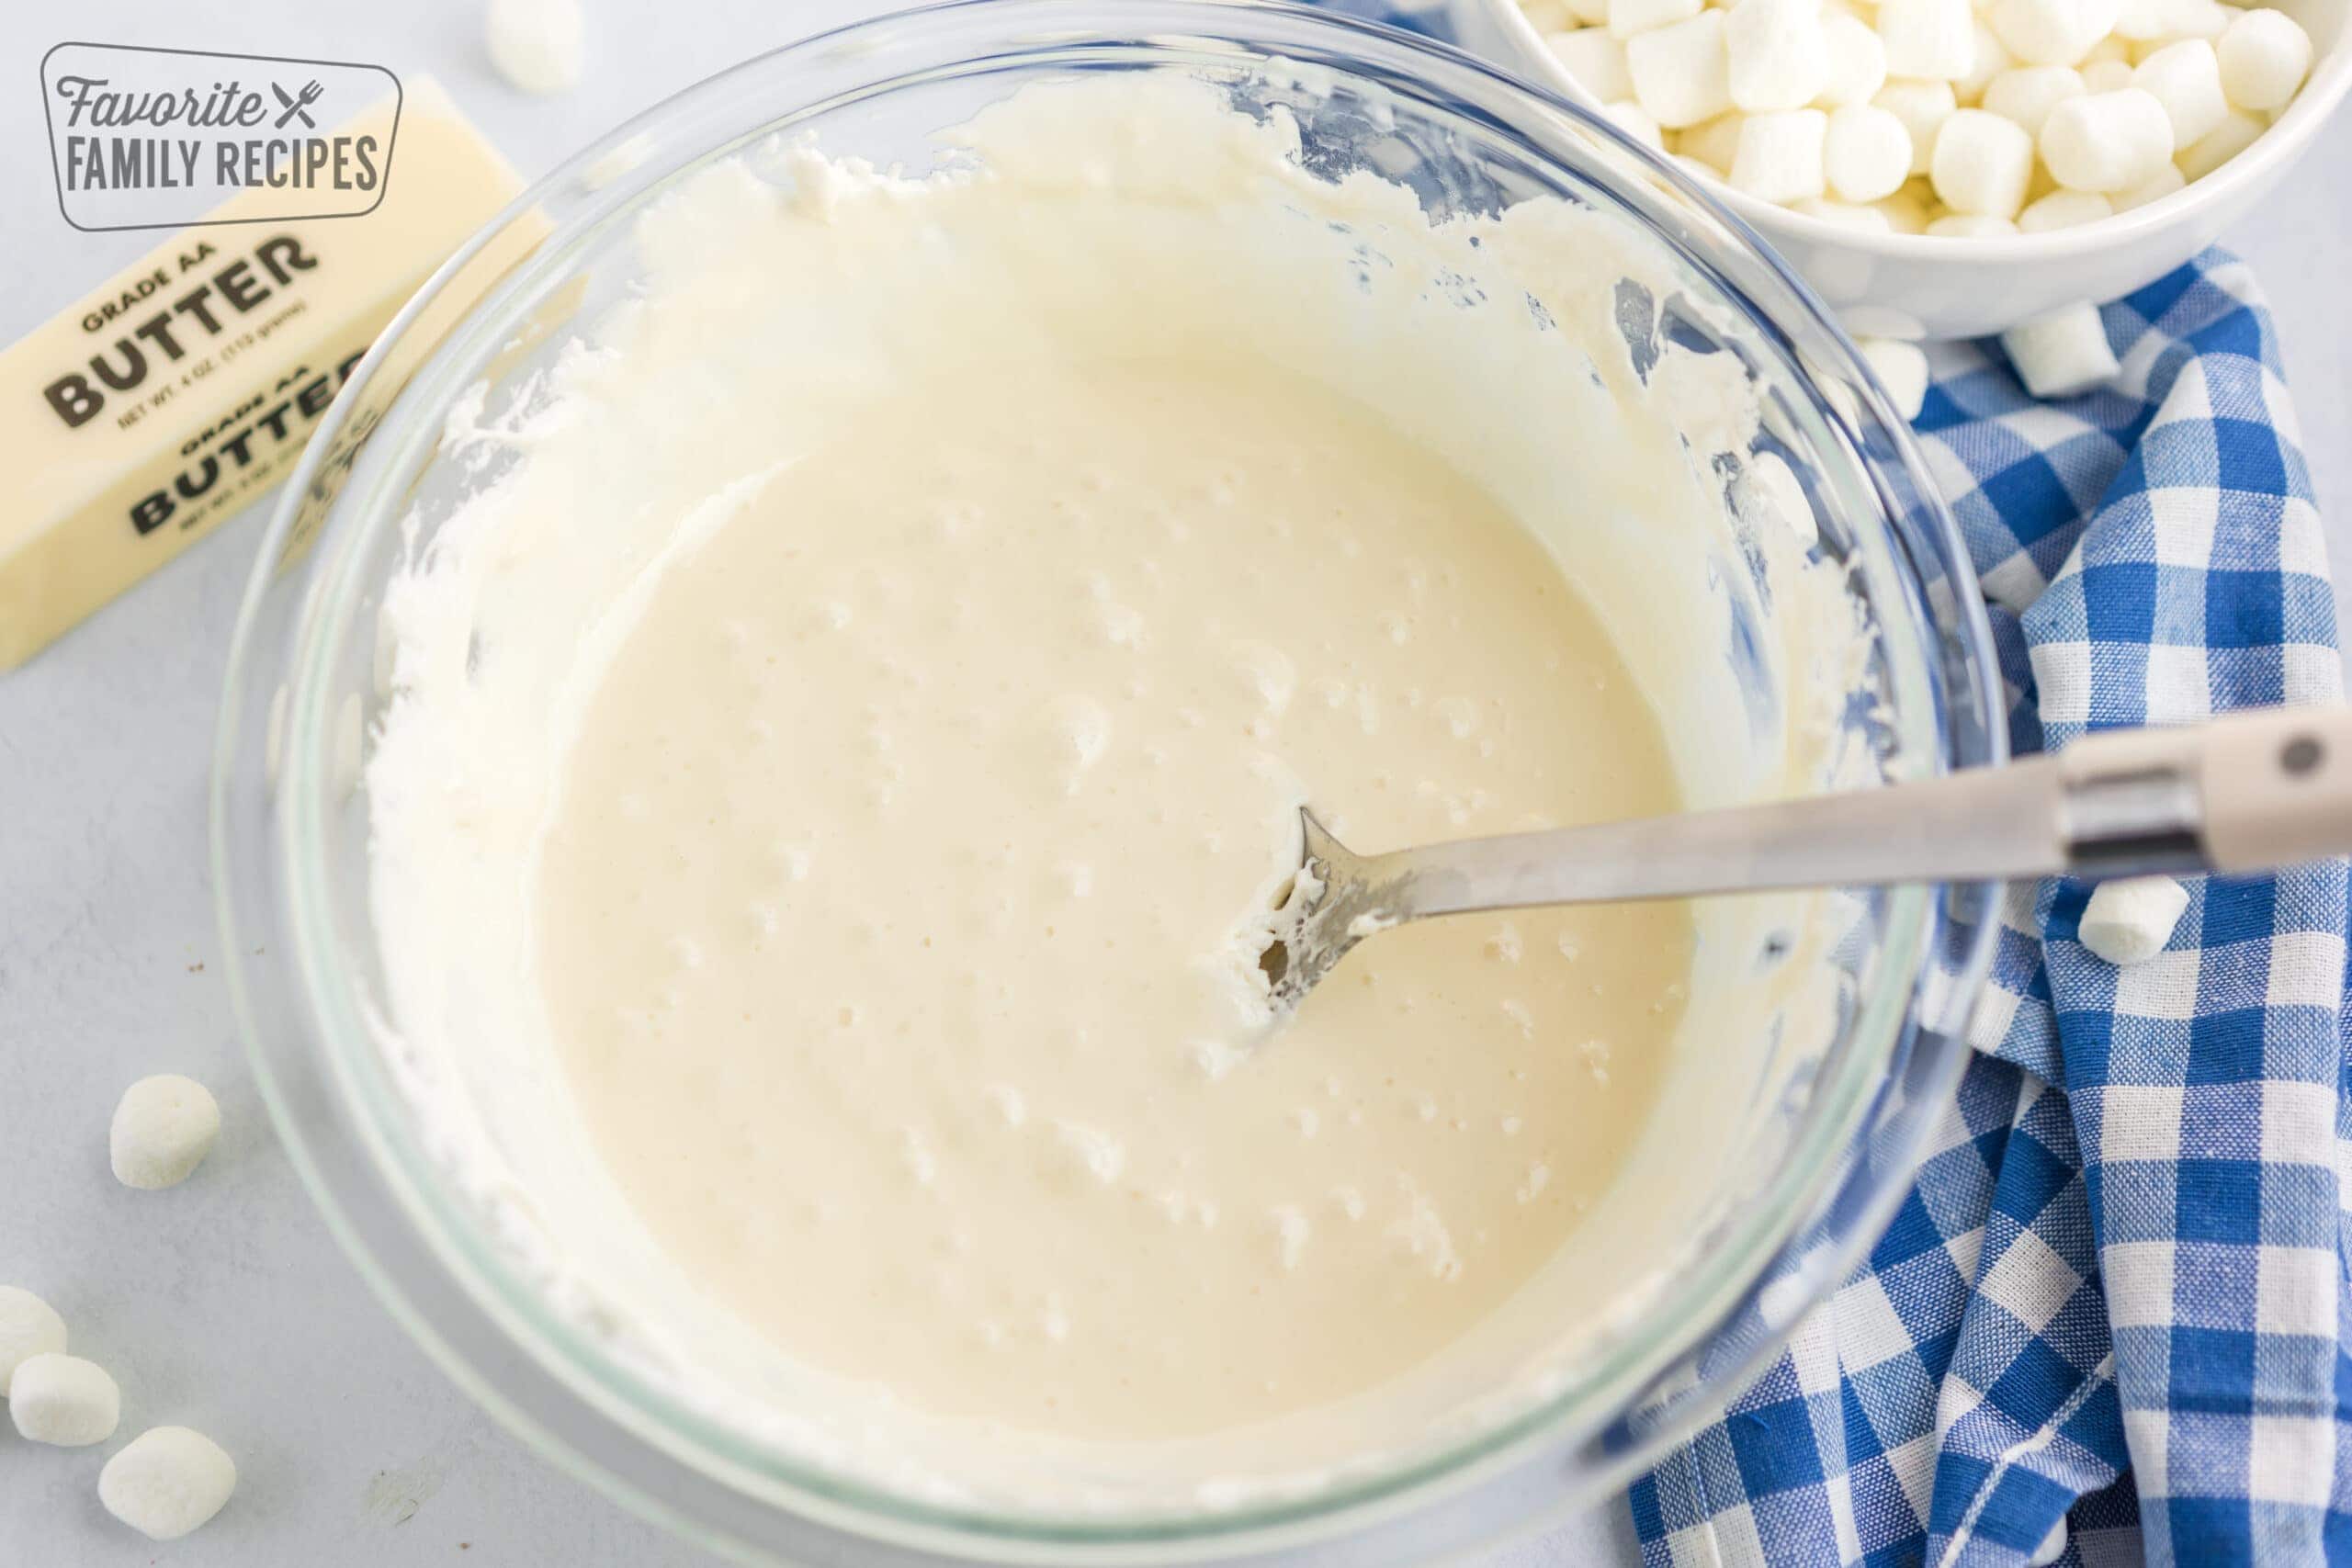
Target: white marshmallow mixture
column 868, row 687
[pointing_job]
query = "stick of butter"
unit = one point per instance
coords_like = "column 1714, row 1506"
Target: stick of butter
column 155, row 406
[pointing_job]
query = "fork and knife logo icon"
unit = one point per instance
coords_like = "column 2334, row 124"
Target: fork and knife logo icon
column 297, row 107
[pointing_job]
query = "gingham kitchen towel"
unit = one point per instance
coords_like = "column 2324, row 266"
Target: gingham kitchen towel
column 2116, row 1295
column 2110, row 1322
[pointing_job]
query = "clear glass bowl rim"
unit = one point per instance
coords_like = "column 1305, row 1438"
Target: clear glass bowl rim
column 1041, row 28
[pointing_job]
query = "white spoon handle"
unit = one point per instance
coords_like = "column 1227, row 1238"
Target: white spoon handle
column 2242, row 793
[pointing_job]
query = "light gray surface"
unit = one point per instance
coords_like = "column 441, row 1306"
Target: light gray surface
column 223, row 1303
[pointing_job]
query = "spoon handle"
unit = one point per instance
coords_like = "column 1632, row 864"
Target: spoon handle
column 2238, row 793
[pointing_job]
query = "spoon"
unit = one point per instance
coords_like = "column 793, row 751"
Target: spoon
column 2244, row 793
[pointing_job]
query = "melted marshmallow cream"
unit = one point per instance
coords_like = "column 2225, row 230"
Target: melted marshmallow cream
column 873, row 683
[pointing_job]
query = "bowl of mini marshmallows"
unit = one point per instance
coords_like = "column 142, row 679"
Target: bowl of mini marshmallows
column 1938, row 168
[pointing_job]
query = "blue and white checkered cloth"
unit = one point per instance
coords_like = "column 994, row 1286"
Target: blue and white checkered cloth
column 2110, row 1323
column 2116, row 1295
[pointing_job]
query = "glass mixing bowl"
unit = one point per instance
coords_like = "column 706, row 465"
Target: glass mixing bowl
column 1824, row 1164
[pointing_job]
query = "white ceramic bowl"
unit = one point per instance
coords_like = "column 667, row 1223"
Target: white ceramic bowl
column 1913, row 285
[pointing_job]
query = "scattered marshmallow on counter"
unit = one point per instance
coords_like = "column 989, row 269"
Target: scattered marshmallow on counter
column 538, row 45
column 168, row 1482
column 1945, row 117
column 2130, row 921
column 163, row 1129
column 1902, row 369
column 28, row 1326
column 61, row 1399
column 2062, row 353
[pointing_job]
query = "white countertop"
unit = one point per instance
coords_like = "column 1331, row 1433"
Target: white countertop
column 223, row 1303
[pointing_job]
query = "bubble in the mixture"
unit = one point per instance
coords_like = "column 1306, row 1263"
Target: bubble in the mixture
column 1307, row 1121
column 1539, row 1176
column 1421, row 1234
column 1517, row 1012
column 1268, row 674
column 1349, row 1201
column 1461, row 716
column 1008, row 1103
column 1292, row 1233
column 920, row 1162
column 1505, row 945
column 1596, row 1054
column 1103, row 1156
column 1216, row 1058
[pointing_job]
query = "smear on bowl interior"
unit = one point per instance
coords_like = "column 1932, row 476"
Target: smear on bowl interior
column 837, row 754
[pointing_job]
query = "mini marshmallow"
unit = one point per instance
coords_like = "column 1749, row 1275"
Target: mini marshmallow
column 1589, row 13
column 1845, row 215
column 2106, row 75
column 1779, row 156
column 1990, row 56
column 28, row 1326
column 1866, row 153
column 2130, row 921
column 1857, row 61
column 2186, row 78
column 2221, row 144
column 1682, row 74
column 1901, row 368
column 1922, row 106
column 2062, row 353
column 2264, row 58
column 1906, row 212
column 168, row 1482
column 1970, row 226
column 163, row 1129
column 1928, row 39
column 2064, row 210
column 2054, row 32
column 1982, row 164
column 2107, row 49
column 2028, row 94
column 2156, row 21
column 2105, row 142
column 61, row 1399
column 1547, row 16
column 2168, row 180
column 1714, row 144
column 1629, row 19
column 1779, row 57
column 2208, row 19
column 536, row 44
column 1636, row 122
column 1596, row 61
